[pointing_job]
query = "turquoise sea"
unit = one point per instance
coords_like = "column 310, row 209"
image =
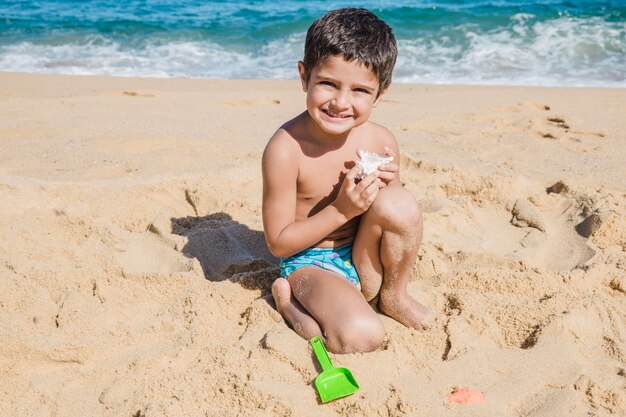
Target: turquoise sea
column 519, row 42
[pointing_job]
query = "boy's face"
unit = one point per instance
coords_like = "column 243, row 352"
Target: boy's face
column 340, row 94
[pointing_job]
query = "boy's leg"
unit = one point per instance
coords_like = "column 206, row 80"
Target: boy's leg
column 292, row 310
column 384, row 253
column 343, row 317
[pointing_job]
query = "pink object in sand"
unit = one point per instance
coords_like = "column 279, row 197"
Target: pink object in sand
column 462, row 395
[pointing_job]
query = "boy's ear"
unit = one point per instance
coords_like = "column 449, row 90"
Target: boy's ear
column 305, row 84
column 379, row 98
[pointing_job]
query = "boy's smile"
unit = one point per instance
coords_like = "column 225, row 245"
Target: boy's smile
column 340, row 94
column 335, row 115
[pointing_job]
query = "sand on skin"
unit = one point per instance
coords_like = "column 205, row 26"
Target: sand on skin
column 134, row 280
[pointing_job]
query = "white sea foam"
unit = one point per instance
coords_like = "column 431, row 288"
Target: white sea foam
column 563, row 51
column 97, row 55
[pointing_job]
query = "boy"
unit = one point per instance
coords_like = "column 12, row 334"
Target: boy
column 333, row 232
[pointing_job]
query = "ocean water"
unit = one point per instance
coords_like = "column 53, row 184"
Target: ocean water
column 518, row 42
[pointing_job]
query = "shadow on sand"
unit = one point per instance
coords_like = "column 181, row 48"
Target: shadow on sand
column 228, row 250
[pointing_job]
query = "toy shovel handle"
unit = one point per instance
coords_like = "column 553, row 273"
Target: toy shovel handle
column 320, row 352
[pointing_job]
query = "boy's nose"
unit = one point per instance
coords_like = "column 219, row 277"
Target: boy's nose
column 342, row 100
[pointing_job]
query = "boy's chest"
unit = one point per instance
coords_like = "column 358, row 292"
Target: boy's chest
column 322, row 176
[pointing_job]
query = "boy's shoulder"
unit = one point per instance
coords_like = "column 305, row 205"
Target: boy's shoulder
column 377, row 128
column 291, row 135
column 284, row 142
column 378, row 132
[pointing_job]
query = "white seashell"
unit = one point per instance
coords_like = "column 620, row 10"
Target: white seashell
column 369, row 162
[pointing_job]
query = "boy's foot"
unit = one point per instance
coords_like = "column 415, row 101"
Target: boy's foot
column 428, row 317
column 281, row 291
column 292, row 310
column 409, row 312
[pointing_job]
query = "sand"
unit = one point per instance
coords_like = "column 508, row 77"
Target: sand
column 134, row 279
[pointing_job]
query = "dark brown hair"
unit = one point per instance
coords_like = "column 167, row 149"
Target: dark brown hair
column 354, row 34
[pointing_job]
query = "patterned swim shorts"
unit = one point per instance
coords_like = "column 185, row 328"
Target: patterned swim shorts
column 337, row 259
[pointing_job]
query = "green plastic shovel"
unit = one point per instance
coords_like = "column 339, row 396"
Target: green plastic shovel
column 333, row 382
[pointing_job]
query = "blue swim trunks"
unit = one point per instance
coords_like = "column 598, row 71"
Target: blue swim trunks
column 337, row 259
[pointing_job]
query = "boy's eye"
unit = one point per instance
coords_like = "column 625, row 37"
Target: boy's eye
column 361, row 90
column 328, row 83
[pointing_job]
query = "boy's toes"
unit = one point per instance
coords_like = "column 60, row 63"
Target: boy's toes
column 281, row 291
column 428, row 319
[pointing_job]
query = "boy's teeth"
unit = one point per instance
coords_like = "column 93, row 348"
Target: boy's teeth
column 330, row 113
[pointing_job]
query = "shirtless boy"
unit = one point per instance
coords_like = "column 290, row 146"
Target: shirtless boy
column 342, row 241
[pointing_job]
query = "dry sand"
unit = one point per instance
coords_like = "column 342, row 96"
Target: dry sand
column 134, row 278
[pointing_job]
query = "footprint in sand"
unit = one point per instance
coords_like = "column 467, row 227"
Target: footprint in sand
column 525, row 214
column 125, row 93
column 550, row 126
column 559, row 224
column 599, row 397
column 556, row 127
column 135, row 94
column 559, row 122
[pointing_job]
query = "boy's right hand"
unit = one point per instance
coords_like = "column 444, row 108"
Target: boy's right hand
column 354, row 199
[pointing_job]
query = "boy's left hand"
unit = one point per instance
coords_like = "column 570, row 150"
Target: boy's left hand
column 388, row 172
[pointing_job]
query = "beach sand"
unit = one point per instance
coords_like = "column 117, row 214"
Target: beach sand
column 134, row 278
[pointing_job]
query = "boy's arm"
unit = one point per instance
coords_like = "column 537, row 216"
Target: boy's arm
column 284, row 235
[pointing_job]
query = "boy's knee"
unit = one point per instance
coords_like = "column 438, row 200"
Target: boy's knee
column 398, row 207
column 361, row 334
